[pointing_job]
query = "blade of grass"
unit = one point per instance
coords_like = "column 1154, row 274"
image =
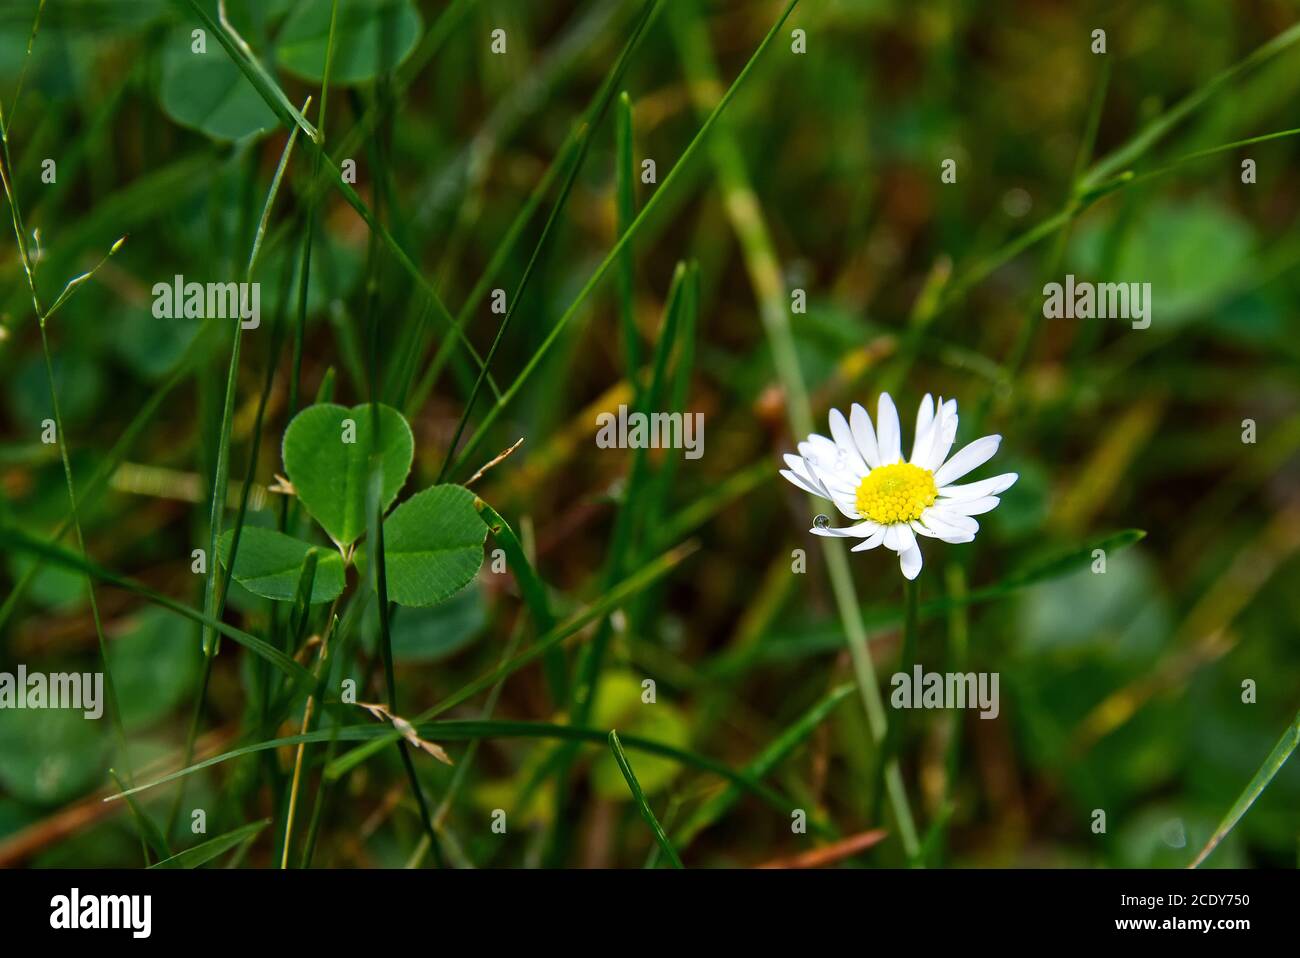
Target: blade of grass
column 1255, row 788
column 22, row 73
column 530, row 584
column 205, row 852
column 1107, row 174
column 638, row 796
column 347, row 633
column 379, row 148
column 890, row 747
column 150, row 836
column 533, row 590
column 216, row 589
column 1030, row 319
column 214, row 598
column 654, row 500
column 958, row 635
column 452, row 176
column 460, row 776
column 625, row 188
column 322, row 670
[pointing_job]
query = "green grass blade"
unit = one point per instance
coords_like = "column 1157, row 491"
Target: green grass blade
column 638, row 796
column 625, row 188
column 533, row 590
column 1262, row 779
column 530, row 584
column 150, row 836
column 300, row 617
column 214, row 847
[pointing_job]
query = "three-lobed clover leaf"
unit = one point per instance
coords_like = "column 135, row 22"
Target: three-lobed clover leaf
column 433, row 542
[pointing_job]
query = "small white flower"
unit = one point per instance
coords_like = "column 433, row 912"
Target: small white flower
column 890, row 499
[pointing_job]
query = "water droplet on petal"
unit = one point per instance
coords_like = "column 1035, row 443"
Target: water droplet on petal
column 821, row 522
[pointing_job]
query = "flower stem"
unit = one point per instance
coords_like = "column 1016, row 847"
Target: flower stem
column 906, row 656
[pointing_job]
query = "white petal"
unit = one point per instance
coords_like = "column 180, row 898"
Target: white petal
column 843, row 437
column 822, row 468
column 807, row 478
column 847, row 504
column 949, row 527
column 803, row 484
column 905, row 537
column 871, row 541
column 970, row 457
column 942, row 434
column 891, row 537
column 910, row 562
column 888, row 431
column 827, row 480
column 942, row 529
column 820, row 451
column 985, row 487
column 830, row 464
column 864, row 435
column 861, row 530
column 840, row 486
column 924, row 419
column 971, row 507
column 923, row 529
column 964, row 523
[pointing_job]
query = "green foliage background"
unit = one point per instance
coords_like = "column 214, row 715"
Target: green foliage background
column 1119, row 691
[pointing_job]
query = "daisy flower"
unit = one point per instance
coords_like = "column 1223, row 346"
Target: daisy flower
column 892, row 500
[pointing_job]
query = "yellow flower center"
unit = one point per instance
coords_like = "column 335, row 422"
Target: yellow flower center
column 896, row 493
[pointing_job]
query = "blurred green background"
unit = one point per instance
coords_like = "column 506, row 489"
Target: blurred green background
column 1119, row 691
